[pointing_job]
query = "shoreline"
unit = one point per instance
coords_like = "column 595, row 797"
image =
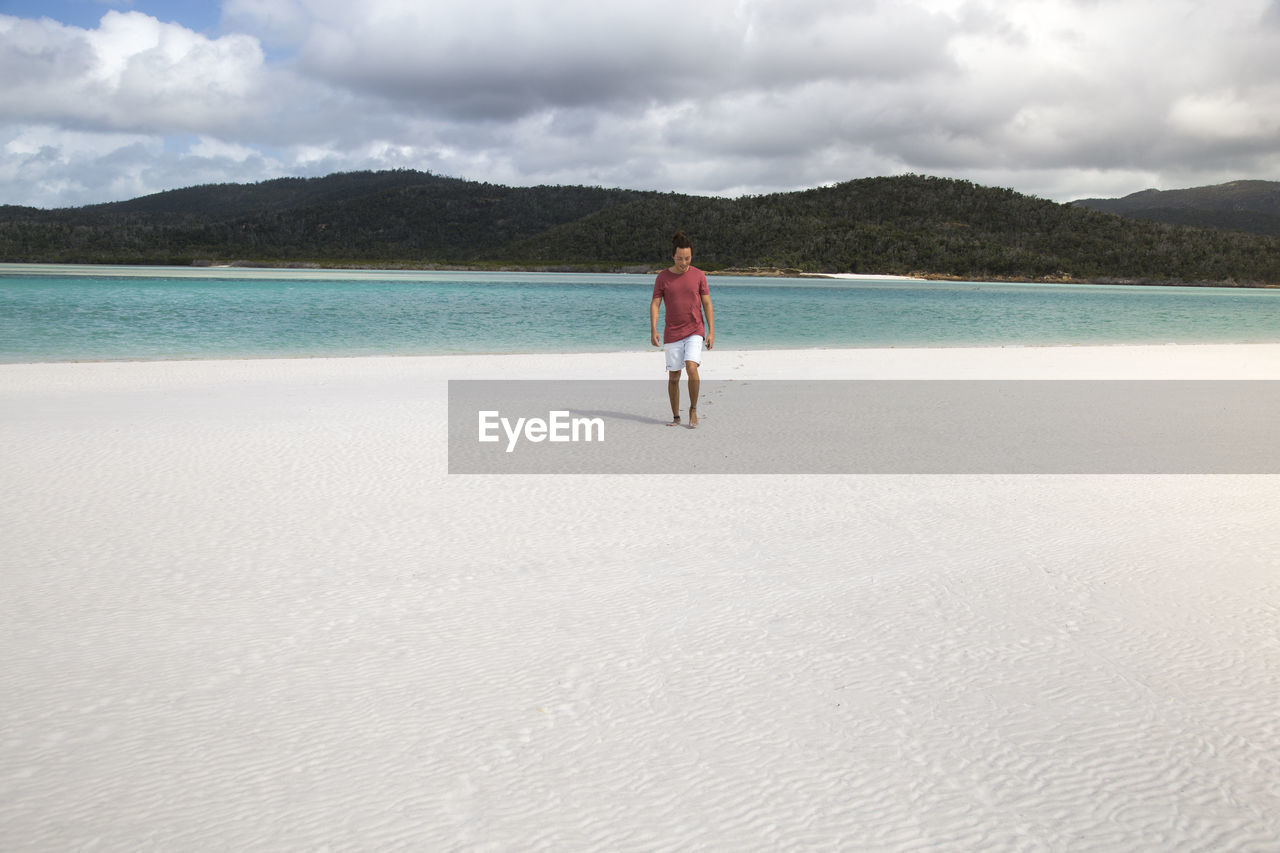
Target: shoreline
column 249, row 267
column 837, row 353
column 1092, row 361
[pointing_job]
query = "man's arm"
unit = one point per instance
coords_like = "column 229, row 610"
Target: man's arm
column 653, row 320
column 711, row 320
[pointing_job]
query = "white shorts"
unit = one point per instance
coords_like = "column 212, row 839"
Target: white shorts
column 685, row 349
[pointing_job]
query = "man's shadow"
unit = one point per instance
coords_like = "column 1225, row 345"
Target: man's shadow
column 625, row 416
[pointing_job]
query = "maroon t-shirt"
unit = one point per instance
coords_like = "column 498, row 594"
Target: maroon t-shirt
column 682, row 296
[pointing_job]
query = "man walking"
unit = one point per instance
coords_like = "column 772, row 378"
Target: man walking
column 688, row 298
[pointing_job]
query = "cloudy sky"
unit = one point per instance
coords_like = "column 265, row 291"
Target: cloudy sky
column 109, row 99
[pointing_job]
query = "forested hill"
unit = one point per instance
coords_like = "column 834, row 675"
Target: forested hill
column 900, row 225
column 1252, row 206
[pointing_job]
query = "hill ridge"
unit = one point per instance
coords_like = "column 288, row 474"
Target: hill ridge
column 1251, row 206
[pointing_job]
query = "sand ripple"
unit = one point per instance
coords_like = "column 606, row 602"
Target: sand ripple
column 279, row 625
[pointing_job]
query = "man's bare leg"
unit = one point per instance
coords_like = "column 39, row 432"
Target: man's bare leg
column 691, row 368
column 673, row 392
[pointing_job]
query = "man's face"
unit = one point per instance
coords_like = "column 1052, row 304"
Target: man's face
column 683, row 257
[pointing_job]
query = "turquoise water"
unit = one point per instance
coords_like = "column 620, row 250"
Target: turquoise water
column 92, row 313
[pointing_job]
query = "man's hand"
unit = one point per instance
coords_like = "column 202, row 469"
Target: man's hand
column 653, row 339
column 711, row 340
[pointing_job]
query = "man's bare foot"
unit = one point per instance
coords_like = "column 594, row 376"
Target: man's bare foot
column 675, row 421
column 693, row 417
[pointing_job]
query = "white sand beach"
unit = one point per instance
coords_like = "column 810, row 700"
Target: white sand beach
column 854, row 276
column 246, row 608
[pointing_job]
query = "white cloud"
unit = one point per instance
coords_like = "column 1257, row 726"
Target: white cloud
column 46, row 166
column 132, row 73
column 209, row 148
